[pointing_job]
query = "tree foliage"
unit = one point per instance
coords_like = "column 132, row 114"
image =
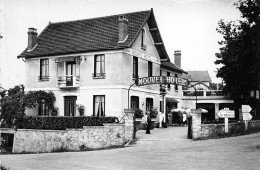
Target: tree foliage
column 15, row 100
column 240, row 50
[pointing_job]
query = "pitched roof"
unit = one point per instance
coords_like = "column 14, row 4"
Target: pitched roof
column 170, row 66
column 93, row 35
column 199, row 76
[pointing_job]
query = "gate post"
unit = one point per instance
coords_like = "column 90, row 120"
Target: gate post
column 196, row 123
column 129, row 124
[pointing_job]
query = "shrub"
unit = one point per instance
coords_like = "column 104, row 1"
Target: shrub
column 61, row 123
column 138, row 113
column 153, row 112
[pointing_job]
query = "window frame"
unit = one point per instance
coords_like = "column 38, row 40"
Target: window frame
column 94, row 96
column 132, row 103
column 150, row 69
column 43, row 109
column 147, row 100
column 135, row 67
column 101, row 63
column 143, row 39
column 44, row 70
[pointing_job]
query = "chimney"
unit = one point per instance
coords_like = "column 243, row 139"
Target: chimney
column 32, row 38
column 177, row 58
column 122, row 28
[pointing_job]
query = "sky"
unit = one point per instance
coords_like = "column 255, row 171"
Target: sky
column 186, row 25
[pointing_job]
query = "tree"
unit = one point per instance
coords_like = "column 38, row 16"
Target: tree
column 240, row 50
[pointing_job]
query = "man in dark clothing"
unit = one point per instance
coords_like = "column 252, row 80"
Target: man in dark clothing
column 148, row 122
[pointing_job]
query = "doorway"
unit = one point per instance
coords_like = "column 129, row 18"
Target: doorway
column 70, row 106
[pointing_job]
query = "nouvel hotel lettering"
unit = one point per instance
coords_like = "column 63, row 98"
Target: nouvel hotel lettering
column 93, row 62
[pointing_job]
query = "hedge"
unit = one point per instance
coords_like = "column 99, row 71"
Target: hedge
column 61, row 123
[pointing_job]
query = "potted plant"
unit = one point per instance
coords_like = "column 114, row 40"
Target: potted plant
column 54, row 111
column 81, row 109
column 138, row 113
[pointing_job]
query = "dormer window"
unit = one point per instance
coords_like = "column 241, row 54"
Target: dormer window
column 143, row 39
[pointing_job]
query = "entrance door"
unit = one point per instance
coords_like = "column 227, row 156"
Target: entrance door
column 70, row 105
column 70, row 72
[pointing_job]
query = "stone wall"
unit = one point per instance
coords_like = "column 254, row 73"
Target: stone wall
column 216, row 130
column 90, row 137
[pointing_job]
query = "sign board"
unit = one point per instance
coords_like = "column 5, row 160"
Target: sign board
column 247, row 116
column 161, row 80
column 246, row 112
column 226, row 113
column 246, row 108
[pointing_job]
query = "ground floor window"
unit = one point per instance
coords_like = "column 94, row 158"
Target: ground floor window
column 99, row 106
column 43, row 108
column 70, row 106
column 149, row 103
column 134, row 102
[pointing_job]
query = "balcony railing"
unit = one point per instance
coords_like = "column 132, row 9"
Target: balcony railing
column 203, row 93
column 68, row 81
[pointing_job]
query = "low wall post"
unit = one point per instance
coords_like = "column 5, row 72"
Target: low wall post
column 196, row 123
column 129, row 124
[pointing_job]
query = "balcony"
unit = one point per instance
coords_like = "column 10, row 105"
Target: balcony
column 68, row 82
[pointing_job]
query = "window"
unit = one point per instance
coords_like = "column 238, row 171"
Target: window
column 143, row 39
column 44, row 70
column 99, row 66
column 134, row 102
column 135, row 67
column 43, row 108
column 150, row 69
column 168, row 85
column 149, row 103
column 99, row 106
column 176, row 86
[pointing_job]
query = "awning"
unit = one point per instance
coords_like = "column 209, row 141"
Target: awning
column 68, row 58
column 168, row 99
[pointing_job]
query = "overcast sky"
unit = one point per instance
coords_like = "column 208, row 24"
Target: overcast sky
column 186, row 25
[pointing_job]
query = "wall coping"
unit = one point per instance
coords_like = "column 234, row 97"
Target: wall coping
column 113, row 124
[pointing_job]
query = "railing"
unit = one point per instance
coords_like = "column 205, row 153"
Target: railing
column 204, row 93
column 43, row 78
column 68, row 81
column 99, row 75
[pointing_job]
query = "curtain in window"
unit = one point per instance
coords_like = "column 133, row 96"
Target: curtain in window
column 149, row 103
column 99, row 106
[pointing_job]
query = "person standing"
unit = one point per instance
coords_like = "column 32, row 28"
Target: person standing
column 148, row 122
column 170, row 118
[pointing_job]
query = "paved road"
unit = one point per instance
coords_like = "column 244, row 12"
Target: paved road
column 164, row 149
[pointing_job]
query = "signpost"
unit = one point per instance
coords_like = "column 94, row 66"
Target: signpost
column 246, row 114
column 226, row 113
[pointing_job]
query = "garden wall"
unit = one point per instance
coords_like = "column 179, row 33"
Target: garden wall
column 218, row 130
column 90, row 137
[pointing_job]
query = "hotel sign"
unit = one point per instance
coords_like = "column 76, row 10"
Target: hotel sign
column 161, row 80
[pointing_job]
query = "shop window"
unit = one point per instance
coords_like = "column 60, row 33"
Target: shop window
column 43, row 109
column 135, row 67
column 99, row 66
column 134, row 102
column 99, row 106
column 149, row 103
column 44, row 70
column 150, row 69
